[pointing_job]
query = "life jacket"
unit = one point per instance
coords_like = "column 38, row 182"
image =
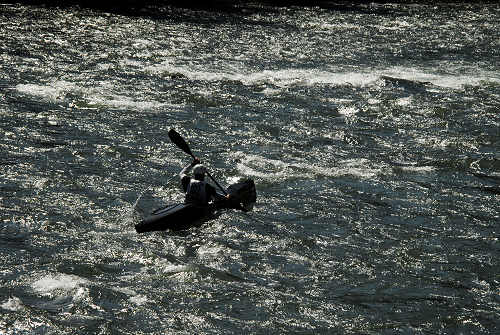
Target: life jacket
column 196, row 193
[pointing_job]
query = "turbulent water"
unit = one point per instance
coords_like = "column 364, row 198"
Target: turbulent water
column 372, row 134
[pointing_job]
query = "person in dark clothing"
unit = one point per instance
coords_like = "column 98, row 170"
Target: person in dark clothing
column 198, row 191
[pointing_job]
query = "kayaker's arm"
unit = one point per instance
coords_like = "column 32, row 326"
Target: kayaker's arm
column 184, row 174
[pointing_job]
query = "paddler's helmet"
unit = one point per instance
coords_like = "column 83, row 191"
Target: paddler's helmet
column 199, row 171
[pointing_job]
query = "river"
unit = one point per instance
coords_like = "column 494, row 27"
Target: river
column 372, row 134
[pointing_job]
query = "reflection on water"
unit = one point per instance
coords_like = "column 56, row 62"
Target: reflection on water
column 372, row 134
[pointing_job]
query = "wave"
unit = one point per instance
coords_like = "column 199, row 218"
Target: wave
column 70, row 93
column 403, row 76
column 269, row 83
column 62, row 282
column 278, row 170
column 13, row 304
column 53, row 92
column 279, row 78
column 309, row 77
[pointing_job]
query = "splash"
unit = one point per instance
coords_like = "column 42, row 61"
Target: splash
column 452, row 78
column 138, row 300
column 60, row 282
column 273, row 169
column 53, row 92
column 14, row 304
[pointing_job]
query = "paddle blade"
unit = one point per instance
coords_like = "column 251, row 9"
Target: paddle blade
column 179, row 141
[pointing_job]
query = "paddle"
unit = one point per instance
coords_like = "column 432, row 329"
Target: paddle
column 181, row 143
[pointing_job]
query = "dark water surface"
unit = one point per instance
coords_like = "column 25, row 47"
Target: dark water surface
column 373, row 138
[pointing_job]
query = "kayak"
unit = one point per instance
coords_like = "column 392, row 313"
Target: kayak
column 177, row 216
column 180, row 216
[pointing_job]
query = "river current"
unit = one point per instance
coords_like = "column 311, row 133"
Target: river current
column 372, row 134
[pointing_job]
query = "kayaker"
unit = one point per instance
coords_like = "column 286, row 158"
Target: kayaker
column 198, row 191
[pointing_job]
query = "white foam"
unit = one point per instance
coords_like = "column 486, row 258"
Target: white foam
column 271, row 92
column 141, row 43
column 178, row 268
column 257, row 166
column 62, row 282
column 131, row 63
column 373, row 101
column 40, row 183
column 100, row 95
column 433, row 141
column 81, row 294
column 306, row 77
column 404, row 101
column 340, row 100
column 138, row 299
column 205, row 250
column 14, row 304
column 280, row 78
column 271, row 169
column 309, row 77
column 134, row 298
column 54, row 91
column 348, row 111
column 455, row 81
column 120, row 101
column 418, row 169
column 358, row 167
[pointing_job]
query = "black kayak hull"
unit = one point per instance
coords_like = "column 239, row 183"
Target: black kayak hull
column 174, row 217
column 182, row 216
